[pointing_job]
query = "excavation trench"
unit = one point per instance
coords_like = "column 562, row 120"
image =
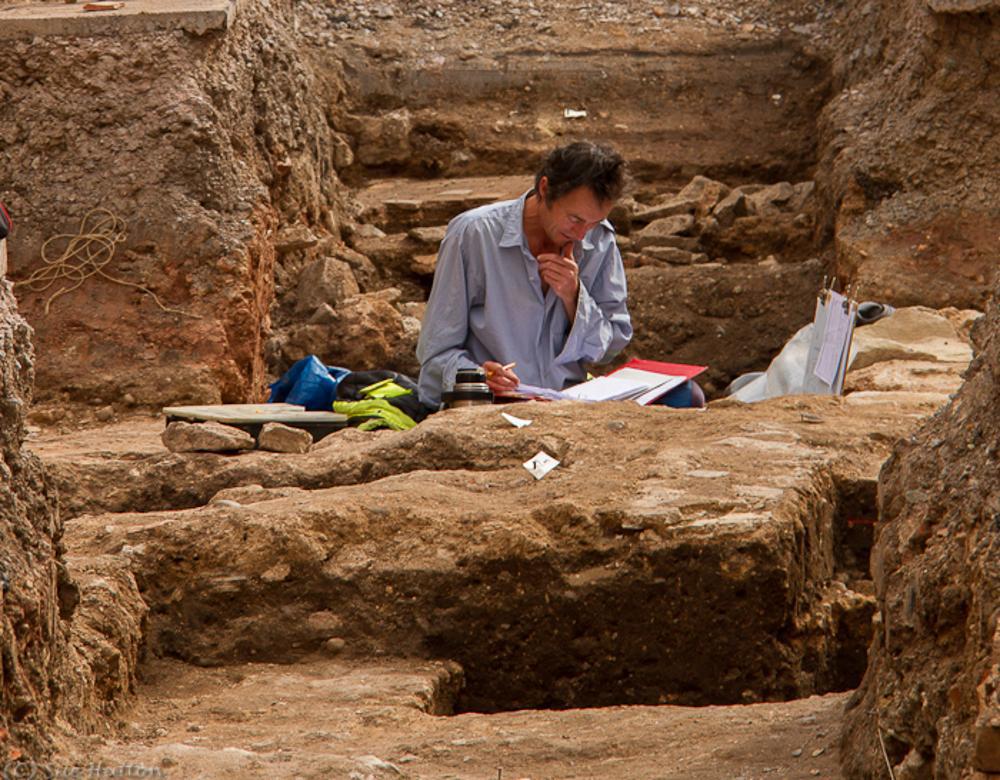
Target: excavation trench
column 673, row 558
column 729, row 584
column 762, row 610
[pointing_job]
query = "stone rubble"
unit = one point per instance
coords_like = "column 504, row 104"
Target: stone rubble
column 276, row 437
column 182, row 436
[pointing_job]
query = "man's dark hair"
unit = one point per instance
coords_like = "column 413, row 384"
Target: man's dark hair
column 583, row 164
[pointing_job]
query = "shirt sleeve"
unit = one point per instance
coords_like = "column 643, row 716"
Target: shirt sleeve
column 443, row 334
column 602, row 326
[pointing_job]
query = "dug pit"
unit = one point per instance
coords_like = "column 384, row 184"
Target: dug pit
column 701, row 568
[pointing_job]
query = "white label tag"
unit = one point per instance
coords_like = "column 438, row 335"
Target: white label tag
column 517, row 422
column 540, row 465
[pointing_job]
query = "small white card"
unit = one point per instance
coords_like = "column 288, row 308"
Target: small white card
column 517, row 422
column 540, row 465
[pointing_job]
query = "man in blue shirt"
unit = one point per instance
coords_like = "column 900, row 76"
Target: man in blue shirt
column 537, row 282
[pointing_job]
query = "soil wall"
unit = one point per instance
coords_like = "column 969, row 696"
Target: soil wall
column 31, row 575
column 909, row 153
column 932, row 688
column 909, row 161
column 70, row 638
column 206, row 147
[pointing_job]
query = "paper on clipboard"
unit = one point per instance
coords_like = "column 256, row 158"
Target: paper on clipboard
column 835, row 338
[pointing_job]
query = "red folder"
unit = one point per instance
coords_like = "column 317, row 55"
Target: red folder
column 673, row 369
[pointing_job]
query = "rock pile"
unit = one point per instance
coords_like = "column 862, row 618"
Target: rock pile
column 709, row 221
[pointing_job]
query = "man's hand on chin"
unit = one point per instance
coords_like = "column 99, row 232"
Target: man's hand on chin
column 561, row 273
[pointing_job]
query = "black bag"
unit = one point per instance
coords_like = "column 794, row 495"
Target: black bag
column 351, row 385
column 5, row 223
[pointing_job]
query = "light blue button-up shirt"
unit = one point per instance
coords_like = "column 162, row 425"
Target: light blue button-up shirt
column 487, row 304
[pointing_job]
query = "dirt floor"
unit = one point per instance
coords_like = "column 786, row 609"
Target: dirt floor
column 337, row 719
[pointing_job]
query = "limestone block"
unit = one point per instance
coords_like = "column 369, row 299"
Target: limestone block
column 669, row 208
column 205, row 437
column 385, row 139
column 343, row 154
column 706, row 192
column 669, row 254
column 392, row 250
column 365, row 271
column 276, row 437
column 294, row 237
column 729, row 208
column 324, row 314
column 364, row 230
column 771, row 200
column 912, row 333
column 432, row 236
column 801, row 194
column 922, row 376
column 656, row 231
column 326, row 280
column 687, row 243
column 424, row 265
column 413, row 309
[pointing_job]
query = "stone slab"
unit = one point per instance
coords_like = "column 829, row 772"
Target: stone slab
column 137, row 16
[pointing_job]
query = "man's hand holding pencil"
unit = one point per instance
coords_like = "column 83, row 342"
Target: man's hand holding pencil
column 501, row 379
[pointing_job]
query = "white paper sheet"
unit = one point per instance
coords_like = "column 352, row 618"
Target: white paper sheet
column 835, row 337
column 517, row 422
column 607, row 388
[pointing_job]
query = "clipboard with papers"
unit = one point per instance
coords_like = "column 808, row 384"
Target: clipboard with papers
column 830, row 343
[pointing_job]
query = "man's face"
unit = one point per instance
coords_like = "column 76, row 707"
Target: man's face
column 570, row 217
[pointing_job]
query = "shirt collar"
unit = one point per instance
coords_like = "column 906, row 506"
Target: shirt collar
column 513, row 231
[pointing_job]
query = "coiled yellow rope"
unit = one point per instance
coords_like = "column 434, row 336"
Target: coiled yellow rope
column 87, row 253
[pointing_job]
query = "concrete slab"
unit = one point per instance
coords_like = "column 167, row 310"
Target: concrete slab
column 197, row 17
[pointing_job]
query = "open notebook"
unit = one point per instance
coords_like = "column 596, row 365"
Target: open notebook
column 642, row 381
